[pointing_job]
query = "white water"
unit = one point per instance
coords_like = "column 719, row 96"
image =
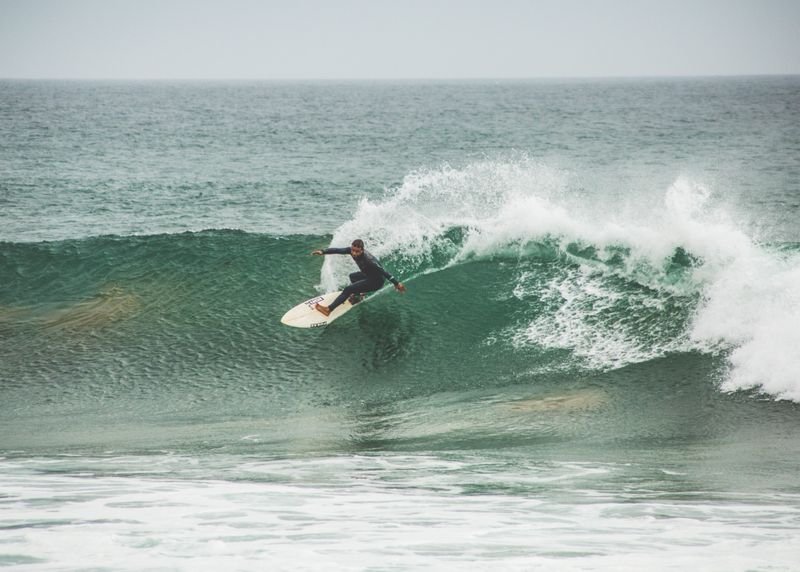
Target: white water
column 378, row 512
column 749, row 293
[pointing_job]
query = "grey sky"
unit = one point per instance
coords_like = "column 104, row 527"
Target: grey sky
column 398, row 39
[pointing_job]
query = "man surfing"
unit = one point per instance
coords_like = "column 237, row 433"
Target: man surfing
column 371, row 277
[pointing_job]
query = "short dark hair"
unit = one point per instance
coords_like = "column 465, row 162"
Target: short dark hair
column 358, row 243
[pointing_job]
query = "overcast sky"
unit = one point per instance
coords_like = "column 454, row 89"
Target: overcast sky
column 375, row 39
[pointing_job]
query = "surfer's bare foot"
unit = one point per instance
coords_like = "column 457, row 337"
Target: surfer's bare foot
column 323, row 309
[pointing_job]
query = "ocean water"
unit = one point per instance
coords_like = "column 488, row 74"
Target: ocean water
column 596, row 365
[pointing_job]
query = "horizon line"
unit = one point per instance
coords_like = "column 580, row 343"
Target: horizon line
column 399, row 79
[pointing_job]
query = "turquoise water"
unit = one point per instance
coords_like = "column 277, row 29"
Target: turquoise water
column 595, row 366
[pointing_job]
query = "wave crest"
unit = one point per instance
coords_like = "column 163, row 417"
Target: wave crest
column 701, row 281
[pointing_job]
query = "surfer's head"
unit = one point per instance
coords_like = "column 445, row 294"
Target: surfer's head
column 357, row 247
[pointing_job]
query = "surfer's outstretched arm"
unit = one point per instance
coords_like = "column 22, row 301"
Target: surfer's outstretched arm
column 345, row 250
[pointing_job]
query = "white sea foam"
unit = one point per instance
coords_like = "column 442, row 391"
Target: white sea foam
column 749, row 294
column 381, row 512
column 753, row 305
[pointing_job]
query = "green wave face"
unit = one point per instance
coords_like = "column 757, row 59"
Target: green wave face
column 187, row 326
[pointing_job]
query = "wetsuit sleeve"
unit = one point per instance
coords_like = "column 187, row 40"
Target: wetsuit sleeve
column 345, row 250
column 388, row 276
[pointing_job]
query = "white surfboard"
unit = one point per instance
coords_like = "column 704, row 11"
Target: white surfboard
column 305, row 316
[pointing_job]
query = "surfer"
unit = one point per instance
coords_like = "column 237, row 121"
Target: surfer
column 370, row 278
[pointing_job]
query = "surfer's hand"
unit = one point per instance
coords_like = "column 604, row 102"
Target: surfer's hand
column 399, row 287
column 317, row 253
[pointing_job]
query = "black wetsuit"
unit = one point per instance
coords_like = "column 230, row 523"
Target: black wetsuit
column 370, row 278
